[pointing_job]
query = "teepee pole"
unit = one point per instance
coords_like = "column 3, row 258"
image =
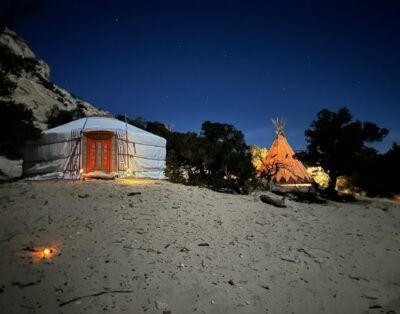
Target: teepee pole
column 127, row 143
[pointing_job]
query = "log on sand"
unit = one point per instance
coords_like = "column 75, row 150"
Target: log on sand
column 276, row 202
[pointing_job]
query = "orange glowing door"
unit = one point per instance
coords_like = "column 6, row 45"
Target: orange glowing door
column 99, row 152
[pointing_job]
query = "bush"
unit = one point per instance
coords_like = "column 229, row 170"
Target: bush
column 218, row 158
column 7, row 86
column 16, row 127
column 376, row 173
column 174, row 170
column 14, row 64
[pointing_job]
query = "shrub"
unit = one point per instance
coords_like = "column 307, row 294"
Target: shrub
column 16, row 127
column 7, row 86
column 218, row 158
column 14, row 64
column 174, row 170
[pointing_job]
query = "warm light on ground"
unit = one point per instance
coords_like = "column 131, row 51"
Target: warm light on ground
column 43, row 253
column 297, row 185
column 137, row 182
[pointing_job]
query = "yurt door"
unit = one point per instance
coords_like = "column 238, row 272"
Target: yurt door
column 99, row 152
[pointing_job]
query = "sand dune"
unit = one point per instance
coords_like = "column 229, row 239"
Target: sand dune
column 135, row 246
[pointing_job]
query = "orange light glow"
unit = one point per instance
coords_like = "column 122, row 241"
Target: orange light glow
column 43, row 253
column 137, row 181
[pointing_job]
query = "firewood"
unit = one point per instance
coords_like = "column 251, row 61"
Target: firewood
column 269, row 200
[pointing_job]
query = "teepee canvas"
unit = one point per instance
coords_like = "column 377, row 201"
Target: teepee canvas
column 281, row 163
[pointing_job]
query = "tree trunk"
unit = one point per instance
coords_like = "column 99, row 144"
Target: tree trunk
column 330, row 190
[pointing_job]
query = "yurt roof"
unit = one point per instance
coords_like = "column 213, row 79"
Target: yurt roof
column 107, row 124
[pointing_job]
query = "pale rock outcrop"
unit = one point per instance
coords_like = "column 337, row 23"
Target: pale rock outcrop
column 16, row 44
column 33, row 89
column 10, row 169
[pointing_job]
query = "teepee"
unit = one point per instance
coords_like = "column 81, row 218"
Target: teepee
column 280, row 163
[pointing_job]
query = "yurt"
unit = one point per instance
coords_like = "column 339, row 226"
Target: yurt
column 95, row 147
column 281, row 163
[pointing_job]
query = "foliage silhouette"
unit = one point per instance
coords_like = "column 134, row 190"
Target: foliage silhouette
column 218, row 158
column 336, row 142
column 16, row 127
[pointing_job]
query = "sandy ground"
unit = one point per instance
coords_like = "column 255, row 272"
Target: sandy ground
column 178, row 249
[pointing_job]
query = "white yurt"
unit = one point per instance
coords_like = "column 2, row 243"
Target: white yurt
column 95, row 147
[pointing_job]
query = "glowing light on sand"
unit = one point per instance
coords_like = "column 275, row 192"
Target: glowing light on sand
column 137, row 181
column 43, row 253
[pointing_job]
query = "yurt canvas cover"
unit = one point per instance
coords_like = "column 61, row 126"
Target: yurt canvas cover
column 95, row 145
column 290, row 171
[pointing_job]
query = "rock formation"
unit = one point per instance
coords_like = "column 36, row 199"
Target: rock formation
column 29, row 81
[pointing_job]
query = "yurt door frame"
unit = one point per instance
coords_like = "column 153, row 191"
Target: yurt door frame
column 100, row 151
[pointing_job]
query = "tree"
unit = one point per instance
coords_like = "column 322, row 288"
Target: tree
column 217, row 158
column 16, row 127
column 335, row 141
column 391, row 161
column 138, row 122
column 226, row 157
column 270, row 170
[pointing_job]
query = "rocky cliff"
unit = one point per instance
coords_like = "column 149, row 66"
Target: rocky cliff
column 25, row 80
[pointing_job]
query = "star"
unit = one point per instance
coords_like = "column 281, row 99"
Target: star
column 116, row 19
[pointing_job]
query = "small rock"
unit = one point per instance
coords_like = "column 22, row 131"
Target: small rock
column 375, row 307
column 161, row 305
column 134, row 193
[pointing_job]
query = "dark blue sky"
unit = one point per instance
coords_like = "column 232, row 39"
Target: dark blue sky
column 238, row 62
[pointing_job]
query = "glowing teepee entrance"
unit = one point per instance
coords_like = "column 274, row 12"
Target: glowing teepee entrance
column 281, row 163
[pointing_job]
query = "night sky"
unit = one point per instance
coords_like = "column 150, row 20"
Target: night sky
column 237, row 62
